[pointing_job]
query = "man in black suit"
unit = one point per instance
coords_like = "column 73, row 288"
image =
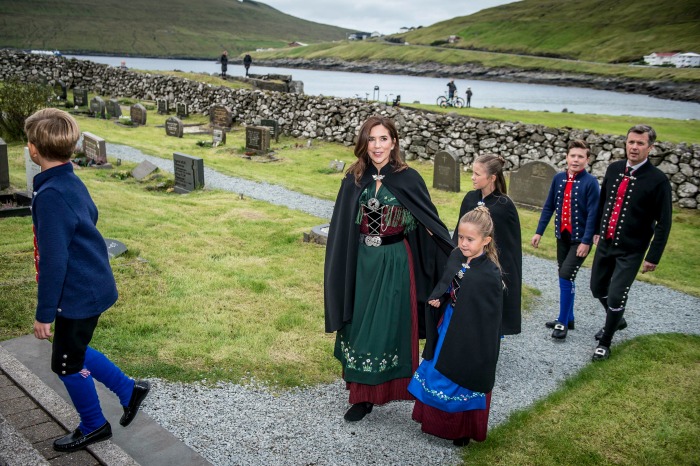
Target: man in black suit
column 634, row 214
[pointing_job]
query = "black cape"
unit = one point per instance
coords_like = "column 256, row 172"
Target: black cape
column 469, row 353
column 429, row 251
column 510, row 251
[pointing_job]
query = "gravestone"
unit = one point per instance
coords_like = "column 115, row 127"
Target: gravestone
column 31, row 170
column 218, row 137
column 182, row 110
column 189, row 173
column 4, row 166
column 59, row 90
column 336, row 165
column 446, row 172
column 138, row 114
column 274, row 128
column 174, row 127
column 80, row 97
column 257, row 138
column 114, row 248
column 162, row 106
column 95, row 148
column 530, row 184
column 143, row 169
column 220, row 116
column 114, row 110
column 97, row 107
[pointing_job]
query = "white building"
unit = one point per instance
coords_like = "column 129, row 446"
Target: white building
column 686, row 60
column 659, row 58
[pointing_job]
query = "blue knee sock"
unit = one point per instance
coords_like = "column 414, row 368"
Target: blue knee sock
column 566, row 300
column 81, row 389
column 106, row 372
column 573, row 298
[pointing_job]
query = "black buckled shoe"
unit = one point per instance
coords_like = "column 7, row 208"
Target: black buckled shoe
column 77, row 441
column 621, row 326
column 560, row 331
column 552, row 323
column 358, row 411
column 141, row 389
column 601, row 353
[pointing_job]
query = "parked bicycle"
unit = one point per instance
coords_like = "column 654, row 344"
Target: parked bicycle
column 444, row 101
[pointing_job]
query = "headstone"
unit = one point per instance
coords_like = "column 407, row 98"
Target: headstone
column 80, row 97
column 220, row 116
column 218, row 137
column 143, row 169
column 138, row 114
column 336, row 165
column 274, row 128
column 162, row 106
column 31, row 169
column 530, row 184
column 257, row 138
column 182, row 110
column 4, row 166
column 189, row 173
column 115, row 248
column 114, row 110
column 174, row 127
column 446, row 172
column 95, row 148
column 59, row 90
column 97, row 107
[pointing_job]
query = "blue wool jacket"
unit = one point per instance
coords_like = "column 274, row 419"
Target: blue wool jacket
column 74, row 276
column 584, row 205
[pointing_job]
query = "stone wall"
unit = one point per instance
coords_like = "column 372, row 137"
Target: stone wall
column 334, row 119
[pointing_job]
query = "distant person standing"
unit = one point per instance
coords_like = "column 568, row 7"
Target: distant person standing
column 634, row 214
column 469, row 97
column 451, row 89
column 247, row 61
column 224, row 63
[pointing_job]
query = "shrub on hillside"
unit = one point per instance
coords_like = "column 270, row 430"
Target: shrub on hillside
column 17, row 102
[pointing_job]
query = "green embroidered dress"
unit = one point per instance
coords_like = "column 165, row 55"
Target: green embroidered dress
column 376, row 346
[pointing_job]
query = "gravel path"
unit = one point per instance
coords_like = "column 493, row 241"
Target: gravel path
column 234, row 424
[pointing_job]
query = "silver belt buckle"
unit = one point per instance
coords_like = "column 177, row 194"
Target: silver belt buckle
column 374, row 241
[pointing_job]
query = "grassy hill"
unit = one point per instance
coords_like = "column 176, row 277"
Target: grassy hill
column 594, row 30
column 176, row 28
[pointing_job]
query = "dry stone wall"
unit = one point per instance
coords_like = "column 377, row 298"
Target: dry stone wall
column 334, row 119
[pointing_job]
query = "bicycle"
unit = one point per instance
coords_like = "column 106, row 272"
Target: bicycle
column 444, row 102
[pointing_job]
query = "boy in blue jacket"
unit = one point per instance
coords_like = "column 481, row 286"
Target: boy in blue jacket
column 573, row 200
column 75, row 281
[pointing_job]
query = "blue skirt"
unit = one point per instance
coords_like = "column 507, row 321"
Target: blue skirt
column 431, row 387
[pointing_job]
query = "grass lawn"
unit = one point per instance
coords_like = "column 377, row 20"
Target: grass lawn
column 642, row 407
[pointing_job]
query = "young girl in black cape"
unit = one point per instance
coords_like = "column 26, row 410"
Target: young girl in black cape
column 453, row 384
column 386, row 249
column 490, row 191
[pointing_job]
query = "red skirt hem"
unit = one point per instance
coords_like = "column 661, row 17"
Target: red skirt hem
column 471, row 424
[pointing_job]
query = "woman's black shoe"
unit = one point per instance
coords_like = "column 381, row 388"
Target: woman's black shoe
column 358, row 411
column 77, row 441
column 461, row 442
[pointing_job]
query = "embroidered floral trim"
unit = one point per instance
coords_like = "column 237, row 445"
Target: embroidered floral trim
column 442, row 396
column 365, row 362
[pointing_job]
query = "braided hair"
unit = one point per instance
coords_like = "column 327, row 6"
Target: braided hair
column 480, row 217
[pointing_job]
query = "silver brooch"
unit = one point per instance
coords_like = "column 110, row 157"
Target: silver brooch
column 460, row 274
column 480, row 203
column 373, row 203
column 378, row 177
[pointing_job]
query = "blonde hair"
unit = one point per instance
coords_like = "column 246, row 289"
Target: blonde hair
column 362, row 146
column 480, row 217
column 54, row 133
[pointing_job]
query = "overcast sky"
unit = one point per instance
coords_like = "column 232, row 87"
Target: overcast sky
column 384, row 16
